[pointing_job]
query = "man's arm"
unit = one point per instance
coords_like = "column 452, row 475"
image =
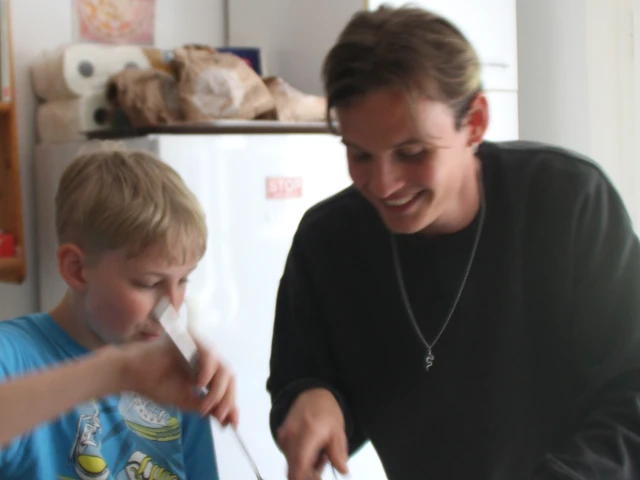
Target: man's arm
column 605, row 442
column 300, row 354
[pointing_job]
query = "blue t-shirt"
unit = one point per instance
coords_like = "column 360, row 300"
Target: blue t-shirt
column 121, row 437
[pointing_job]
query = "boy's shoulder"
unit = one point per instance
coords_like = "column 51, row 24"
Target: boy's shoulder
column 22, row 335
column 23, row 327
column 32, row 342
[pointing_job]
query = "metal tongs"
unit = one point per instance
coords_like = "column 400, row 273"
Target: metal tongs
column 177, row 331
column 247, row 454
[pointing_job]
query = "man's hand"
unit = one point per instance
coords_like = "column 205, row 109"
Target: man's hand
column 313, row 433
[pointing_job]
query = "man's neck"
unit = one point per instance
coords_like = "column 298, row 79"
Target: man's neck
column 462, row 210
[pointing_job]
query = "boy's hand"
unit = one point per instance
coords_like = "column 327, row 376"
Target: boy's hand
column 157, row 371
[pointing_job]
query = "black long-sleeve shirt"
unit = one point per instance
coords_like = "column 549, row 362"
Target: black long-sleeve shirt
column 537, row 374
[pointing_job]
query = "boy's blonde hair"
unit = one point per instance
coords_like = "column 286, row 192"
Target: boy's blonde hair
column 120, row 199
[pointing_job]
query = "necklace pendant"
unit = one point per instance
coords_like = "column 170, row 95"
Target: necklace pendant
column 429, row 360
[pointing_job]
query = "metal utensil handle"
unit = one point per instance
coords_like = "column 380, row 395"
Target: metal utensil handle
column 247, row 454
column 323, row 460
column 166, row 314
column 203, row 391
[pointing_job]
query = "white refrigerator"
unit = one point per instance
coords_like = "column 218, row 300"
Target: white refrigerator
column 254, row 188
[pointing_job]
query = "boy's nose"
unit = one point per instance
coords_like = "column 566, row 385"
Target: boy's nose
column 175, row 295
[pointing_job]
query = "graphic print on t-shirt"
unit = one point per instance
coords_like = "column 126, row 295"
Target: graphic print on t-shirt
column 136, row 417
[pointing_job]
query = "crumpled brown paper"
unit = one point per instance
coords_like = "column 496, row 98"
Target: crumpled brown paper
column 147, row 97
column 293, row 105
column 214, row 85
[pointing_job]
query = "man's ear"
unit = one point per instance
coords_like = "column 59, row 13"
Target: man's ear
column 477, row 119
column 72, row 264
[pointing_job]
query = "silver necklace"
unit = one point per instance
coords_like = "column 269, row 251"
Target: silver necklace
column 396, row 261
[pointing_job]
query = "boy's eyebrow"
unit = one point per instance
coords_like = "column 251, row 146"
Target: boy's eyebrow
column 163, row 274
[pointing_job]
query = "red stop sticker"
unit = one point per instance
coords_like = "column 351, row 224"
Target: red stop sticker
column 284, row 187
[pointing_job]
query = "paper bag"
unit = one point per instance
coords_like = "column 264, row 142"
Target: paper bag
column 294, row 106
column 147, row 97
column 215, row 85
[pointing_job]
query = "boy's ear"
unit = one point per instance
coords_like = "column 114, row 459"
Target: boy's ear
column 72, row 264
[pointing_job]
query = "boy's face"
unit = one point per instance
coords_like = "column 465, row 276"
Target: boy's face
column 121, row 293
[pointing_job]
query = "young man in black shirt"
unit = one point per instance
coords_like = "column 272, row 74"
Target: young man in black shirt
column 471, row 308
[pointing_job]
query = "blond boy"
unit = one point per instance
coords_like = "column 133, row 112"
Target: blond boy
column 129, row 232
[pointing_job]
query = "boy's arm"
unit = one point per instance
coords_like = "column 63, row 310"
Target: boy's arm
column 36, row 398
column 153, row 369
column 198, row 451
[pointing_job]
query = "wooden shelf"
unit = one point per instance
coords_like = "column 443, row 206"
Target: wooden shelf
column 12, row 270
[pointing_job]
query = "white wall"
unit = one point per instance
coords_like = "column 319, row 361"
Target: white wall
column 612, row 93
column 576, row 73
column 292, row 48
column 43, row 24
column 552, row 64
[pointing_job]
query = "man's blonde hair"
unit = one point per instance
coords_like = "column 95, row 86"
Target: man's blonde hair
column 119, row 199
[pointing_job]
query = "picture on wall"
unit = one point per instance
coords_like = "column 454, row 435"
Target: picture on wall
column 115, row 21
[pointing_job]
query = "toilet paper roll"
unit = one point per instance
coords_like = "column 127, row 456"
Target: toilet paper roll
column 67, row 120
column 79, row 69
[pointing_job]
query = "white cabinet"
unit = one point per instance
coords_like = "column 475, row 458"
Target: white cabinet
column 490, row 26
